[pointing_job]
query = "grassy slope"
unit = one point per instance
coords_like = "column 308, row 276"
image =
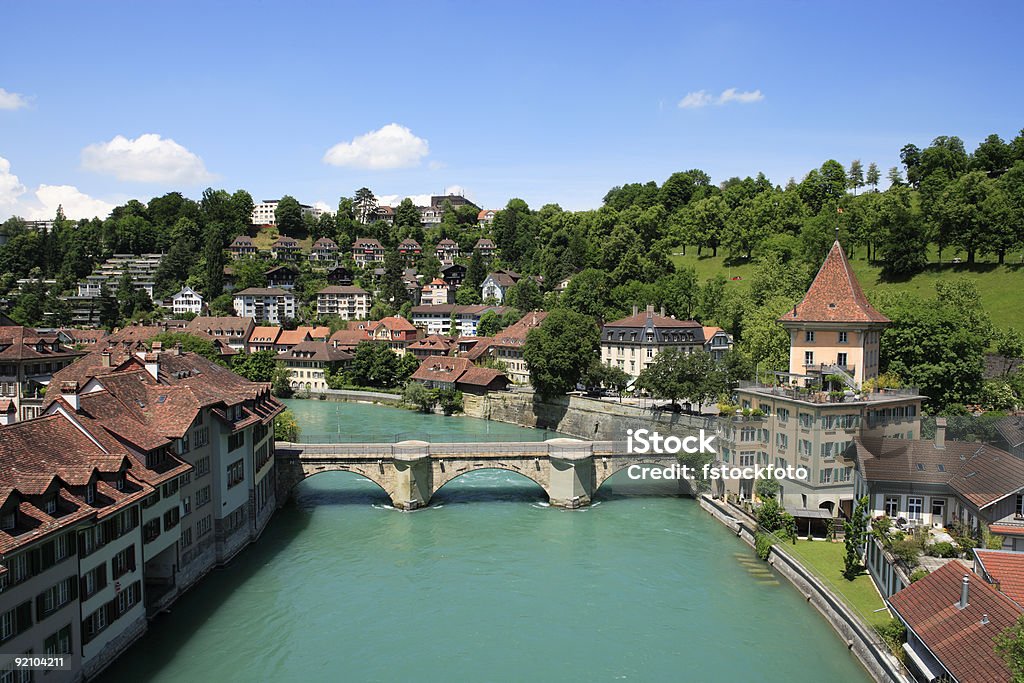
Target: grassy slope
column 826, row 560
column 264, row 237
column 1001, row 287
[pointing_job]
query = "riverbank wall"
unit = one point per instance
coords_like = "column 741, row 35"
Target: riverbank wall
column 355, row 395
column 580, row 417
column 869, row 649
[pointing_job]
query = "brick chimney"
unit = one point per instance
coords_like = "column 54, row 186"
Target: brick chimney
column 69, row 392
column 650, row 311
column 158, row 347
column 940, row 433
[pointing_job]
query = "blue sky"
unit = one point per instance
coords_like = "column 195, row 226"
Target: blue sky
column 550, row 102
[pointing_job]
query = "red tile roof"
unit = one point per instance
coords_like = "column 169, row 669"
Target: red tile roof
column 957, row 637
column 515, row 335
column 1005, row 569
column 835, row 295
column 480, row 377
column 441, row 369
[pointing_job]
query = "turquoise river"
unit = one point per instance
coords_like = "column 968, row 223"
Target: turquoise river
column 486, row 584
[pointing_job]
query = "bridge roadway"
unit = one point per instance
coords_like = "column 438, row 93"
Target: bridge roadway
column 570, row 471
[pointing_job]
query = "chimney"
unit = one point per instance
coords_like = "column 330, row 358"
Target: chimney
column 650, row 311
column 69, row 392
column 940, row 433
column 635, row 309
column 152, row 364
column 158, row 347
column 105, row 359
column 177, row 349
column 984, row 619
column 964, row 592
column 663, row 311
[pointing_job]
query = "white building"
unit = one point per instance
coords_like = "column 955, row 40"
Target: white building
column 265, row 304
column 346, row 302
column 187, row 300
column 264, row 213
column 437, row 319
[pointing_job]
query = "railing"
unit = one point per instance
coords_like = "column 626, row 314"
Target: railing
column 599, row 449
column 357, row 438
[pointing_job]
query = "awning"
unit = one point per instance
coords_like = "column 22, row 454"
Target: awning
column 808, row 513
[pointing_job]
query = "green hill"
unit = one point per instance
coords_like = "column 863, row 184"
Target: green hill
column 1001, row 287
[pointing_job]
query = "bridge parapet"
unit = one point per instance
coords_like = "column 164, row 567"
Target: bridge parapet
column 569, row 470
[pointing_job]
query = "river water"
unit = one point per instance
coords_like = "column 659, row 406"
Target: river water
column 487, row 584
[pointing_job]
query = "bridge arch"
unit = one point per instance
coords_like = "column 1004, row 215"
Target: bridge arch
column 606, row 468
column 535, row 473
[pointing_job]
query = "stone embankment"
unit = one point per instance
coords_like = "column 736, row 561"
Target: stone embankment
column 858, row 636
column 583, row 418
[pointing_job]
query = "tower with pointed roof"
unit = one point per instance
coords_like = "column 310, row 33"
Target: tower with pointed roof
column 834, row 329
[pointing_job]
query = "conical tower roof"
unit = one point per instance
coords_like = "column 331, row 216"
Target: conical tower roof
column 835, row 296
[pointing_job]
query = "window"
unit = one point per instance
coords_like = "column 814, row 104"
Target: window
column 806, row 420
column 186, row 505
column 171, row 518
column 747, row 459
column 809, row 336
column 808, row 357
column 90, row 493
column 55, row 597
column 61, row 547
column 202, row 496
column 94, row 581
column 844, row 473
column 914, row 506
column 186, row 537
column 203, row 526
column 59, row 643
column 9, row 521
column 892, row 506
column 203, row 466
column 782, row 441
column 15, row 621
column 236, row 473
column 1019, row 508
column 843, row 338
column 170, row 488
column 804, row 448
column 151, row 530
column 127, row 598
column 841, row 360
column 123, row 562
column 825, row 476
column 94, row 624
column 783, row 414
column 236, row 441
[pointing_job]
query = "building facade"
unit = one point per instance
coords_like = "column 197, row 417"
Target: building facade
column 348, row 303
column 265, row 304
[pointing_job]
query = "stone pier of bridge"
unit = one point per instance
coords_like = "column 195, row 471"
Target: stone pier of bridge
column 410, row 472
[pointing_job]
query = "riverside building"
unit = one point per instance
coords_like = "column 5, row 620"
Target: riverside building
column 811, row 415
column 146, row 471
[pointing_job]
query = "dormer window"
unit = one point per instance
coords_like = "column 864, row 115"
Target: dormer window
column 51, row 505
column 90, row 492
column 8, row 521
column 121, row 482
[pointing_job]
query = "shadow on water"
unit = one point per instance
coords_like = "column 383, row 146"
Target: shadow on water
column 619, row 486
column 490, row 486
column 168, row 631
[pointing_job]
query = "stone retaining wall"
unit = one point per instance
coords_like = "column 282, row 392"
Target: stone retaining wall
column 859, row 638
column 583, row 418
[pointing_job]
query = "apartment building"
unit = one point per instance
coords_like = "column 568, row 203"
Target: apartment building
column 507, row 346
column 285, row 248
column 307, row 364
column 186, row 300
column 796, row 421
column 438, row 319
column 229, row 330
column 146, row 471
column 265, row 213
column 634, row 342
column 242, row 246
column 409, row 249
column 265, row 304
column 325, row 250
column 395, row 331
column 447, row 250
column 366, row 250
column 28, row 360
column 348, row 303
column 435, row 293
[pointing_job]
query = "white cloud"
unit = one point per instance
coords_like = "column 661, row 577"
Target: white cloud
column 393, row 146
column 45, row 199
column 10, row 188
column 436, row 165
column 701, row 98
column 76, row 204
column 147, row 159
column 324, row 206
column 695, row 100
column 733, row 95
column 421, row 199
column 12, row 100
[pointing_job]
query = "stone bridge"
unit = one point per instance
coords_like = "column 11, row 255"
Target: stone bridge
column 410, row 472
